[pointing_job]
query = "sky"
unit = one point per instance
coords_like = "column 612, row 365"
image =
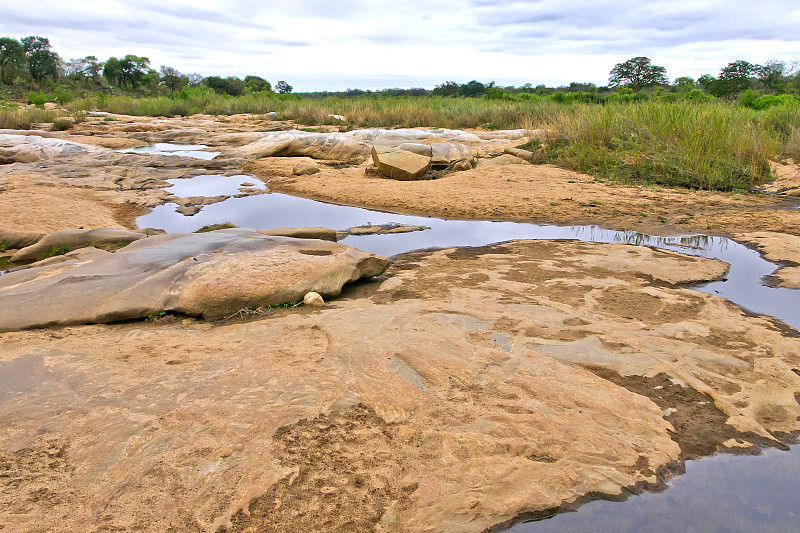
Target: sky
column 376, row 44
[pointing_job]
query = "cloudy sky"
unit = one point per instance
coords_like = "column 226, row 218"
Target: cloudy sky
column 374, row 44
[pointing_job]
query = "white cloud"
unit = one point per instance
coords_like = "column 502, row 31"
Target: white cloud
column 323, row 44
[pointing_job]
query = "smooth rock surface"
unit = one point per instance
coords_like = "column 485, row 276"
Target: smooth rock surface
column 503, row 160
column 330, row 146
column 208, row 274
column 779, row 248
column 32, row 148
column 310, row 232
column 446, row 154
column 305, row 169
column 72, row 239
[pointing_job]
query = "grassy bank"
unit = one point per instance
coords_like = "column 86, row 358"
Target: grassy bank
column 708, row 146
column 21, row 118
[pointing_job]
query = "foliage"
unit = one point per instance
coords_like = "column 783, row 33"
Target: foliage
column 256, row 84
column 283, row 88
column 12, row 58
column 637, row 73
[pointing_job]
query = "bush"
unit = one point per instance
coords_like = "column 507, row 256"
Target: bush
column 39, row 99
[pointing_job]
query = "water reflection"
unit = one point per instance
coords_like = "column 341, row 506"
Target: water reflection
column 212, row 185
column 186, row 150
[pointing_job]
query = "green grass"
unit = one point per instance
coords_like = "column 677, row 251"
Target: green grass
column 705, row 146
column 215, row 227
column 21, row 118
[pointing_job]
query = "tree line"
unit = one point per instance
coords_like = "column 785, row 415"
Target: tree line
column 31, row 62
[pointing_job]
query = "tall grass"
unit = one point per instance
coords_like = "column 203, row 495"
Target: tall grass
column 21, row 118
column 708, row 146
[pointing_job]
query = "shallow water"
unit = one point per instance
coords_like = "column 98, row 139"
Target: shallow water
column 185, row 150
column 717, row 494
column 722, row 493
column 212, row 185
column 274, row 210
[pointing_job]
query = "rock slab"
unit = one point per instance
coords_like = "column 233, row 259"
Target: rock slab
column 400, row 164
column 210, row 274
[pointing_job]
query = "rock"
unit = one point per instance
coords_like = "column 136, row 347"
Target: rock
column 385, row 137
column 337, row 117
column 272, row 115
column 400, row 165
column 780, row 248
column 329, row 146
column 19, row 239
column 50, row 106
column 444, row 155
column 32, row 148
column 527, row 155
column 382, row 229
column 503, row 160
column 304, row 169
column 510, row 135
column 420, row 149
column 313, row 299
column 188, row 210
column 464, row 164
column 72, row 239
column 311, row 232
column 787, row 178
column 210, row 274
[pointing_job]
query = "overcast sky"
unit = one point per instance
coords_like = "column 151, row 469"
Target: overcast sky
column 374, row 44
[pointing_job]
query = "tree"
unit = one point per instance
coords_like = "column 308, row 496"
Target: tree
column 735, row 78
column 684, row 84
column 133, row 70
column 256, row 84
column 637, row 73
column 448, row 88
column 112, row 70
column 39, row 58
column 173, row 79
column 772, row 75
column 473, row 88
column 12, row 58
column 283, row 87
column 194, row 79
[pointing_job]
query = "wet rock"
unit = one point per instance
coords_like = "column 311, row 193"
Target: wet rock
column 71, row 239
column 399, row 164
column 310, row 232
column 383, row 229
column 210, row 274
column 313, row 299
column 305, row 169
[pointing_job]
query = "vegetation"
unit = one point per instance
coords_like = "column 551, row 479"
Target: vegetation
column 215, row 227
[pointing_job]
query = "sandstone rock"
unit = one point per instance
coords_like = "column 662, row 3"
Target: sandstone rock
column 72, row 239
column 780, row 248
column 386, row 137
column 444, row 155
column 787, row 178
column 383, row 229
column 31, row 148
column 209, row 274
column 304, row 169
column 19, row 239
column 400, row 165
column 527, row 155
column 329, row 146
column 313, row 299
column 510, row 135
column 324, row 234
column 272, row 115
column 50, row 106
column 503, row 160
column 417, row 148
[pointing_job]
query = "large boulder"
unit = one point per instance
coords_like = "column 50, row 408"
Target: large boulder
column 328, row 146
column 72, row 239
column 384, row 137
column 210, row 274
column 443, row 155
column 18, row 239
column 400, row 164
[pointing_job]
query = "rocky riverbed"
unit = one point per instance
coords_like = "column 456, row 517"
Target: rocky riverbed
column 455, row 391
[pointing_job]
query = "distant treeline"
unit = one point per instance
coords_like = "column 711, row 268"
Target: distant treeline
column 30, row 68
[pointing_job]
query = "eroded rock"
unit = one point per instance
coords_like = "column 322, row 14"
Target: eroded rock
column 400, row 164
column 208, row 274
column 780, row 248
column 71, row 239
column 310, row 232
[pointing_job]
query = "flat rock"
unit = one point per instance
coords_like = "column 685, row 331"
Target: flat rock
column 400, row 165
column 71, row 239
column 305, row 169
column 32, row 148
column 383, row 229
column 329, row 146
column 209, row 274
column 310, row 232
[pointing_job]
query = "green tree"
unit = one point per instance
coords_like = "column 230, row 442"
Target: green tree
column 637, row 73
column 133, row 70
column 256, row 84
column 112, row 71
column 772, row 75
column 473, row 88
column 39, row 58
column 283, row 87
column 448, row 88
column 684, row 84
column 12, row 58
column 735, row 78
